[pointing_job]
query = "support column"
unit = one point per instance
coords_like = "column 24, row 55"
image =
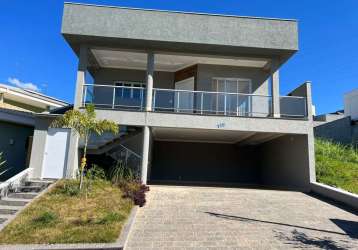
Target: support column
column 145, row 154
column 73, row 152
column 81, row 76
column 150, row 72
column 275, row 90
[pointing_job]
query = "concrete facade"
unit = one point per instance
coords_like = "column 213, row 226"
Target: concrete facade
column 261, row 45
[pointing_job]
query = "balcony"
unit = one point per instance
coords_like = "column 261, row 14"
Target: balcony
column 192, row 102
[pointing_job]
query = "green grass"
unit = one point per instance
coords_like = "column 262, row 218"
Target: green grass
column 337, row 165
column 64, row 216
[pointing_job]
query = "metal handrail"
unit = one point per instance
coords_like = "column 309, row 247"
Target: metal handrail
column 207, row 92
column 131, row 151
column 112, row 86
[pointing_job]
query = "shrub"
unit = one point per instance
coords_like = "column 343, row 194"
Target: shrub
column 136, row 191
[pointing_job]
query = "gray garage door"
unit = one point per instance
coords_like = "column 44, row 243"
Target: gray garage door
column 203, row 162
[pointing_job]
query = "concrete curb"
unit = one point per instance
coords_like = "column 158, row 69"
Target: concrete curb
column 339, row 195
column 118, row 245
column 126, row 230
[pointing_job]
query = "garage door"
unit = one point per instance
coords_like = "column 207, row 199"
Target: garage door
column 203, row 162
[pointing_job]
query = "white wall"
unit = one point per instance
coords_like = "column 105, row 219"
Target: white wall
column 351, row 104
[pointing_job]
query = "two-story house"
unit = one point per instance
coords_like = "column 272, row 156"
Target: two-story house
column 200, row 94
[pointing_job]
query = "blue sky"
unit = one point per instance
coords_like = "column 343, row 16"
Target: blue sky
column 32, row 50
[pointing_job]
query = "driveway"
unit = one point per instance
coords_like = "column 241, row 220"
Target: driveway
column 231, row 218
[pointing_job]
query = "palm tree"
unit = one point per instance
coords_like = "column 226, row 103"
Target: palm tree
column 84, row 124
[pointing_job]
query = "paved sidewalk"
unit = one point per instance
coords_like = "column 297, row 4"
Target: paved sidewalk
column 232, row 218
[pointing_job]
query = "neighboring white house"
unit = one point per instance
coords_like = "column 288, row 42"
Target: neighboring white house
column 17, row 109
column 351, row 104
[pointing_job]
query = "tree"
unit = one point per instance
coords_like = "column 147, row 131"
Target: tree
column 84, row 124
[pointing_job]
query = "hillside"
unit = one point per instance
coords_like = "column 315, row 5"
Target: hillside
column 337, row 165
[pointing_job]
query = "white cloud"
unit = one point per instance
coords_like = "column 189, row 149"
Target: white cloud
column 24, row 85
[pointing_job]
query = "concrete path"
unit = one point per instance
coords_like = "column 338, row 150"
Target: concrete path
column 232, row 218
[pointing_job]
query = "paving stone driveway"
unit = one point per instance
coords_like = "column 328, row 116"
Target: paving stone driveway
column 234, row 218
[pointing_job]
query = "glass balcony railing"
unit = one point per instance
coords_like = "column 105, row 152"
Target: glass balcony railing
column 211, row 103
column 114, row 97
column 192, row 102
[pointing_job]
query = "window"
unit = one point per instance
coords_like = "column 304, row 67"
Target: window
column 128, row 92
column 232, row 96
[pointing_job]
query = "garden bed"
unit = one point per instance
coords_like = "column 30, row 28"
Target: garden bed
column 63, row 215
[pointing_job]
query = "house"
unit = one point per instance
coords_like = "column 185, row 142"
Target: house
column 340, row 126
column 17, row 109
column 197, row 96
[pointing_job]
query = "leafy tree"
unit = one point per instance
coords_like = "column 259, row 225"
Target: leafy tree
column 85, row 124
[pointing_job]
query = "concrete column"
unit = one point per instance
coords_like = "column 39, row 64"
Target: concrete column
column 308, row 95
column 275, row 93
column 150, row 72
column 81, row 75
column 145, row 154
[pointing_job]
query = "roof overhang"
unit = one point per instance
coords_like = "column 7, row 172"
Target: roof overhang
column 17, row 117
column 138, row 29
column 30, row 98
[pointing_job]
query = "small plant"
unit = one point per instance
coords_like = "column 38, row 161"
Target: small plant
column 95, row 173
column 69, row 188
column 121, row 174
column 45, row 218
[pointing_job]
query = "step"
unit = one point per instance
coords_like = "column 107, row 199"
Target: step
column 42, row 183
column 7, row 211
column 20, row 195
column 30, row 188
column 6, row 216
column 13, row 202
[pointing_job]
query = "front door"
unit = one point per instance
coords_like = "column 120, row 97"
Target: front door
column 56, row 150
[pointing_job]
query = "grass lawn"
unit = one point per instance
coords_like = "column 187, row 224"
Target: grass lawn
column 337, row 165
column 64, row 216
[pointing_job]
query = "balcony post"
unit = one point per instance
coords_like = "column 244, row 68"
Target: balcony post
column 150, row 72
column 275, row 90
column 81, row 75
column 145, row 154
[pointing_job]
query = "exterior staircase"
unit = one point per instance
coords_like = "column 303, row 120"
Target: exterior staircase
column 17, row 199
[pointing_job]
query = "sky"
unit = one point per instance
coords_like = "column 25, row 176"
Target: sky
column 33, row 54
